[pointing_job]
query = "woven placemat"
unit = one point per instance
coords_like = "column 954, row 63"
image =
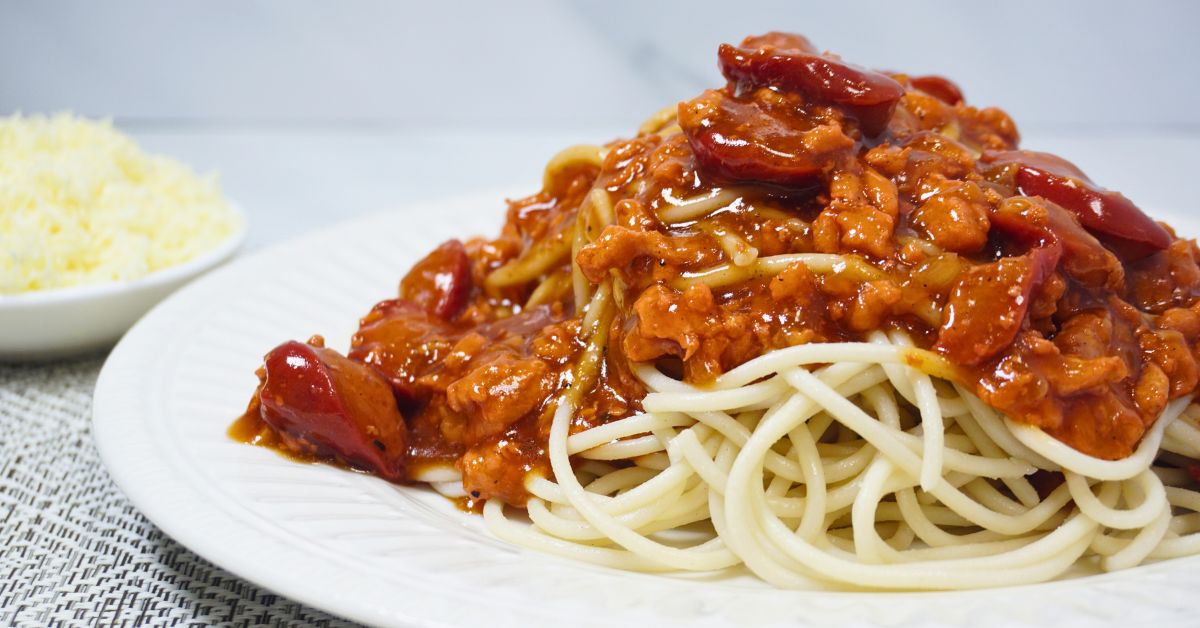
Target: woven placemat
column 74, row 551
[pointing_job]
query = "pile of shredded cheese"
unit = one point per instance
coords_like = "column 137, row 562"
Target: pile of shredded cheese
column 80, row 204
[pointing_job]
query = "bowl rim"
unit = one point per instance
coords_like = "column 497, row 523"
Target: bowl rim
column 163, row 276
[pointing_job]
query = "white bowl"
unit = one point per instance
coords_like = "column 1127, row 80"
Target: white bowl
column 61, row 322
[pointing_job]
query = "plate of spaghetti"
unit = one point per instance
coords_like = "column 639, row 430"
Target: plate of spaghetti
column 822, row 344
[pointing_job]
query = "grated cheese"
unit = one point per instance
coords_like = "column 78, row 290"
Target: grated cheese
column 80, row 204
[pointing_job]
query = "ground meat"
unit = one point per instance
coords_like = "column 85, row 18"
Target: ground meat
column 1087, row 334
column 860, row 228
column 689, row 325
column 497, row 468
column 1152, row 392
column 1078, row 375
column 712, row 336
column 955, row 218
column 873, row 305
column 987, row 309
column 988, row 127
column 1166, row 279
column 633, row 252
column 1103, row 425
column 1182, row 320
column 1169, row 350
column 499, row 393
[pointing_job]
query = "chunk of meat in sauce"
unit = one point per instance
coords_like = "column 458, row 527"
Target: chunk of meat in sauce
column 632, row 253
column 1166, row 279
column 939, row 87
column 497, row 469
column 1099, row 385
column 1169, row 352
column 955, row 218
column 860, row 229
column 1080, row 400
column 405, row 342
column 713, row 333
column 987, row 307
column 1103, row 426
column 768, row 137
column 497, row 394
column 423, row 355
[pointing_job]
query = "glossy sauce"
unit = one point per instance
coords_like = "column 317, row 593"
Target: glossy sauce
column 1060, row 302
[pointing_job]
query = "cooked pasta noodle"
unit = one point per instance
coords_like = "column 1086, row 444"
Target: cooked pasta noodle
column 783, row 527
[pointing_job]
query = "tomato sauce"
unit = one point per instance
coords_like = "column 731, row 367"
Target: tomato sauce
column 1061, row 303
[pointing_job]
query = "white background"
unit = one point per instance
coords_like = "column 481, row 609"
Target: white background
column 317, row 111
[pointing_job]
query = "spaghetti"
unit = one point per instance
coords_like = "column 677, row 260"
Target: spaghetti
column 820, row 481
column 837, row 337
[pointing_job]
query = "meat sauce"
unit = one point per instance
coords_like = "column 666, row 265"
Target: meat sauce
column 1060, row 302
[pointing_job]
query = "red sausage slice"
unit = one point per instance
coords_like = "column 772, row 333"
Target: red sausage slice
column 1042, row 223
column 323, row 404
column 441, row 282
column 867, row 96
column 1109, row 215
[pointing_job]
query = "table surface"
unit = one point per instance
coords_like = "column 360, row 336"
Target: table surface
column 73, row 551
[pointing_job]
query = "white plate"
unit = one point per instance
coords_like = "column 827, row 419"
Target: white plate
column 56, row 323
column 384, row 554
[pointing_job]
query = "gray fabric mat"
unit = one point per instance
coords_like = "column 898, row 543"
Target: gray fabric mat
column 74, row 551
